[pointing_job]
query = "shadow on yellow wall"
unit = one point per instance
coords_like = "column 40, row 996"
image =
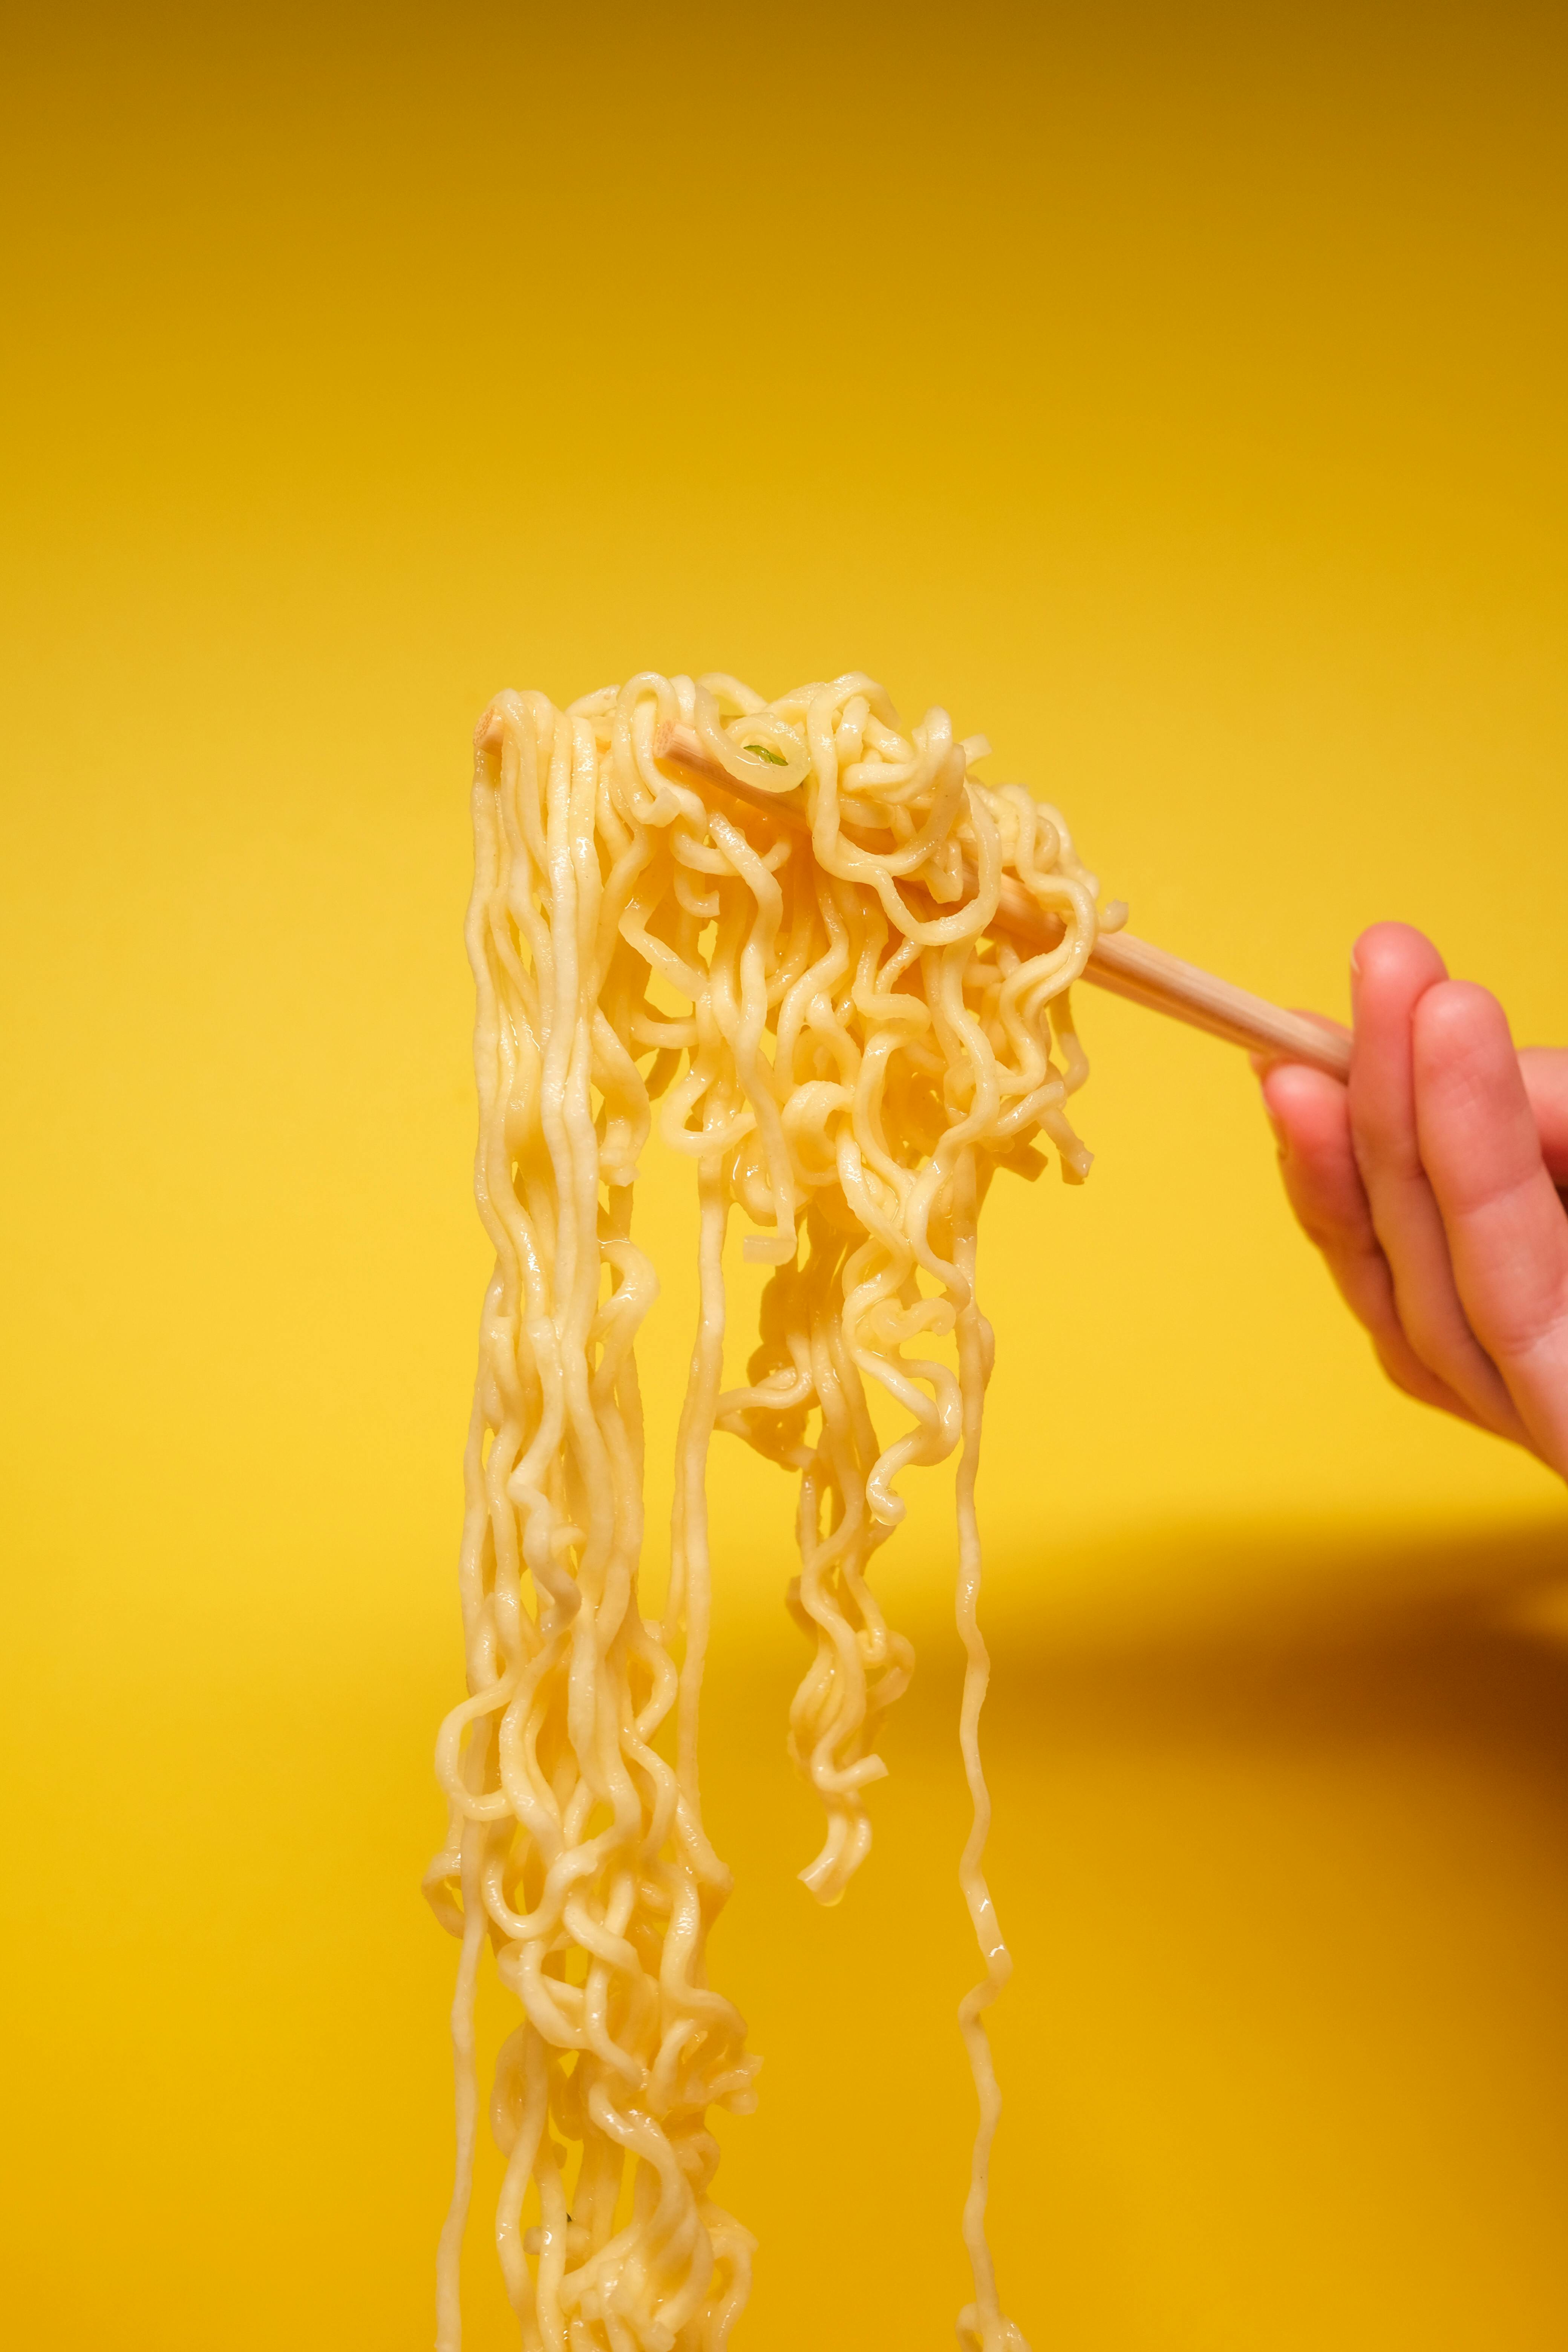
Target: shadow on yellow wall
column 1285, row 1871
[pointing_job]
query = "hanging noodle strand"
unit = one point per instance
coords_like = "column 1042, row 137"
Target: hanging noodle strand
column 851, row 1055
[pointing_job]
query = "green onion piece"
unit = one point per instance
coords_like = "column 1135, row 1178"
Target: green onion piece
column 775, row 759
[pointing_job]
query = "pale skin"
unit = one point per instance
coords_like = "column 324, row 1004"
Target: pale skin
column 1429, row 1185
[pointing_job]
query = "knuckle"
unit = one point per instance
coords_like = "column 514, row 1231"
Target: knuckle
column 1526, row 1324
column 1384, row 1149
column 1398, row 1370
column 1346, row 1237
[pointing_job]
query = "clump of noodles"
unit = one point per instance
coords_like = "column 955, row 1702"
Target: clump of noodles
column 854, row 1053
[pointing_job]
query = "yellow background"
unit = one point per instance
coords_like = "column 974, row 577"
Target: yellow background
column 1177, row 392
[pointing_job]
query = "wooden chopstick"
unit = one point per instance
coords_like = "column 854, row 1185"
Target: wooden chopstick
column 1128, row 967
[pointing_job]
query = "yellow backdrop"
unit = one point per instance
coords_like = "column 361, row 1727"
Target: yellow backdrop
column 1174, row 391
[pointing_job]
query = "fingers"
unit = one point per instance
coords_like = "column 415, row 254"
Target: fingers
column 1544, row 1069
column 1506, row 1233
column 1393, row 970
column 1429, row 1184
column 1311, row 1115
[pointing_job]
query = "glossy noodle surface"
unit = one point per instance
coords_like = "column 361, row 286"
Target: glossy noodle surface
column 827, row 1027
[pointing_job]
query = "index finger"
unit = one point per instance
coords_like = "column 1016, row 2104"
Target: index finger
column 1508, row 1237
column 1394, row 970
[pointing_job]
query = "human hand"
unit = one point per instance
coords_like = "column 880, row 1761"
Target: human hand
column 1429, row 1185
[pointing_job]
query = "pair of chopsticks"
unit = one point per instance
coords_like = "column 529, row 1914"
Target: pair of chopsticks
column 1128, row 967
